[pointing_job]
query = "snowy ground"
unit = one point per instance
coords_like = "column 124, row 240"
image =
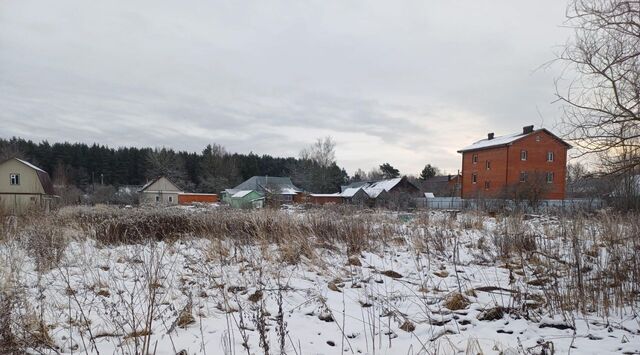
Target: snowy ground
column 406, row 296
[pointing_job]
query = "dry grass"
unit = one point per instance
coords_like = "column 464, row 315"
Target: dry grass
column 296, row 235
column 456, row 301
column 577, row 264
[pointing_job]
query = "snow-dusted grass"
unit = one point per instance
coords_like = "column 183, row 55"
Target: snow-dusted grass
column 135, row 281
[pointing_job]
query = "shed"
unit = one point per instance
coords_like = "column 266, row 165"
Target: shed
column 355, row 195
column 246, row 199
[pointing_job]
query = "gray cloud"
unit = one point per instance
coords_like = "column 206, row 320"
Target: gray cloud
column 403, row 82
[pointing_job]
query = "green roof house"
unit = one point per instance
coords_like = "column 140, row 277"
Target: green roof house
column 275, row 188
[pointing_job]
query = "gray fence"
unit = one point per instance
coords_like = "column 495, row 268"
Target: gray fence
column 457, row 203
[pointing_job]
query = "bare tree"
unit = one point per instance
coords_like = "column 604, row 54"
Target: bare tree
column 532, row 190
column 375, row 174
column 318, row 160
column 322, row 152
column 10, row 150
column 602, row 102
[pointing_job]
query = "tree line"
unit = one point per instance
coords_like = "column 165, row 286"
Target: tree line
column 211, row 170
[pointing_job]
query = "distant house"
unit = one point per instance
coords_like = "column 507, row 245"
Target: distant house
column 159, row 191
column 443, row 186
column 162, row 191
column 392, row 186
column 493, row 166
column 274, row 189
column 24, row 187
column 380, row 192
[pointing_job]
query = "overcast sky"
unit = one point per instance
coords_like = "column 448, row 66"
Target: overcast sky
column 407, row 83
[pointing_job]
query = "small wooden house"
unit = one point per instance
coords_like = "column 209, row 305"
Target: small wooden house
column 24, row 187
column 159, row 191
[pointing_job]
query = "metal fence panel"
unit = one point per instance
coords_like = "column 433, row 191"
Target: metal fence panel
column 457, row 203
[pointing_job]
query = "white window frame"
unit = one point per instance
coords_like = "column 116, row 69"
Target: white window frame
column 551, row 156
column 14, row 179
column 474, row 178
column 474, row 159
column 157, row 198
column 524, row 155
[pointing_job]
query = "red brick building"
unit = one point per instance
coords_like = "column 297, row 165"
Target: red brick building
column 496, row 166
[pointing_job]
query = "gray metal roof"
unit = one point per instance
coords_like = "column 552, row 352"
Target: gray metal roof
column 267, row 183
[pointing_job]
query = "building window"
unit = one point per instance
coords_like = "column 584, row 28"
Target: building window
column 549, row 178
column 550, row 156
column 523, row 176
column 487, row 164
column 14, row 179
column 537, row 138
column 523, row 155
column 487, row 185
column 170, row 198
column 474, row 178
column 475, row 158
column 157, row 198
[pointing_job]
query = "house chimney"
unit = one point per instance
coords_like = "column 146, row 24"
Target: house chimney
column 527, row 129
column 490, row 136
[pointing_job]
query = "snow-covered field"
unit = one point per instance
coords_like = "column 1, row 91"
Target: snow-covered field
column 423, row 283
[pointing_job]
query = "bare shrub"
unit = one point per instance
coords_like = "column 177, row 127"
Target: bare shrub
column 45, row 242
column 21, row 330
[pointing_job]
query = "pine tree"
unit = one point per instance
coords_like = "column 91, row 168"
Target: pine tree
column 388, row 171
column 428, row 172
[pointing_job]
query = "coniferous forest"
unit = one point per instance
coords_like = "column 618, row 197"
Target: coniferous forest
column 212, row 170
